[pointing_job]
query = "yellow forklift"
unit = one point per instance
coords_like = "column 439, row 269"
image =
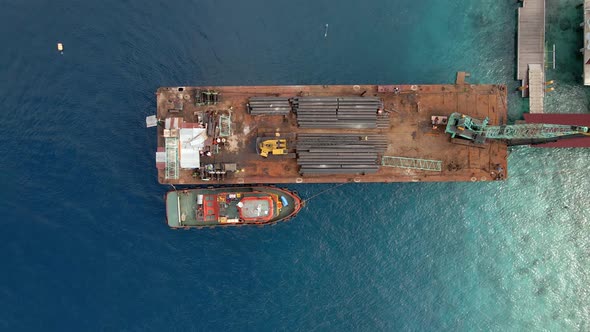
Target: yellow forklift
column 276, row 147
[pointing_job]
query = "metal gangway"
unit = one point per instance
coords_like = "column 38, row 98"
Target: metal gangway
column 536, row 88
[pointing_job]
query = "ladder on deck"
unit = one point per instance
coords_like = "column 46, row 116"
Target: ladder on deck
column 412, row 163
column 171, row 158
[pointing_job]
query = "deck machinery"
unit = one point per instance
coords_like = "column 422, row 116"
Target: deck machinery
column 478, row 131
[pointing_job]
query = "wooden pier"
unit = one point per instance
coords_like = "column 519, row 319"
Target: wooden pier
column 586, row 49
column 531, row 50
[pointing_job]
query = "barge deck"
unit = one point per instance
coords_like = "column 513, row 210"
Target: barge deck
column 215, row 134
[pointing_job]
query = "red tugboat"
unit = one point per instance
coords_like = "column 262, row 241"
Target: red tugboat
column 230, row 206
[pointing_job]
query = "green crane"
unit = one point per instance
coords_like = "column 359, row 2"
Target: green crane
column 478, row 131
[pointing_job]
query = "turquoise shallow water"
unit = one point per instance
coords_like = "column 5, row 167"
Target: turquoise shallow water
column 84, row 242
column 563, row 31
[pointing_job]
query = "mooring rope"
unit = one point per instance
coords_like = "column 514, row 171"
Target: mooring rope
column 322, row 192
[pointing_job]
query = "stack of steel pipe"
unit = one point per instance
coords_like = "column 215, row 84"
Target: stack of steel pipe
column 383, row 121
column 269, row 106
column 339, row 153
column 337, row 112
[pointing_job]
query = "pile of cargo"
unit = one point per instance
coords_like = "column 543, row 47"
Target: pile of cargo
column 269, row 106
column 339, row 153
column 339, row 112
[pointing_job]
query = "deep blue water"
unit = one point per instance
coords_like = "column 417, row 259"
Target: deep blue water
column 83, row 237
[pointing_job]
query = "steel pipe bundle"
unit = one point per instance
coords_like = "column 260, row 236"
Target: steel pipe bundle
column 366, row 169
column 337, row 112
column 383, row 121
column 269, row 106
column 339, row 153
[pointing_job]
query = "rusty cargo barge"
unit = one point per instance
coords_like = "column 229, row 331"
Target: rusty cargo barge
column 325, row 134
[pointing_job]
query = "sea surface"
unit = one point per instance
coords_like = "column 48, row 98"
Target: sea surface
column 83, row 241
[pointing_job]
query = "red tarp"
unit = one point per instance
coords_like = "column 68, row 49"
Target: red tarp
column 566, row 119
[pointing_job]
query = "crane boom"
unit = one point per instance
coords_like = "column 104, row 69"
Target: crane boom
column 532, row 131
column 478, row 130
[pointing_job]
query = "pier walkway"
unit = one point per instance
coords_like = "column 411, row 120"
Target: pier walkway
column 531, row 51
column 536, row 81
column 586, row 49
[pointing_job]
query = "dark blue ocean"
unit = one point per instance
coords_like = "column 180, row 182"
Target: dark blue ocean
column 84, row 243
